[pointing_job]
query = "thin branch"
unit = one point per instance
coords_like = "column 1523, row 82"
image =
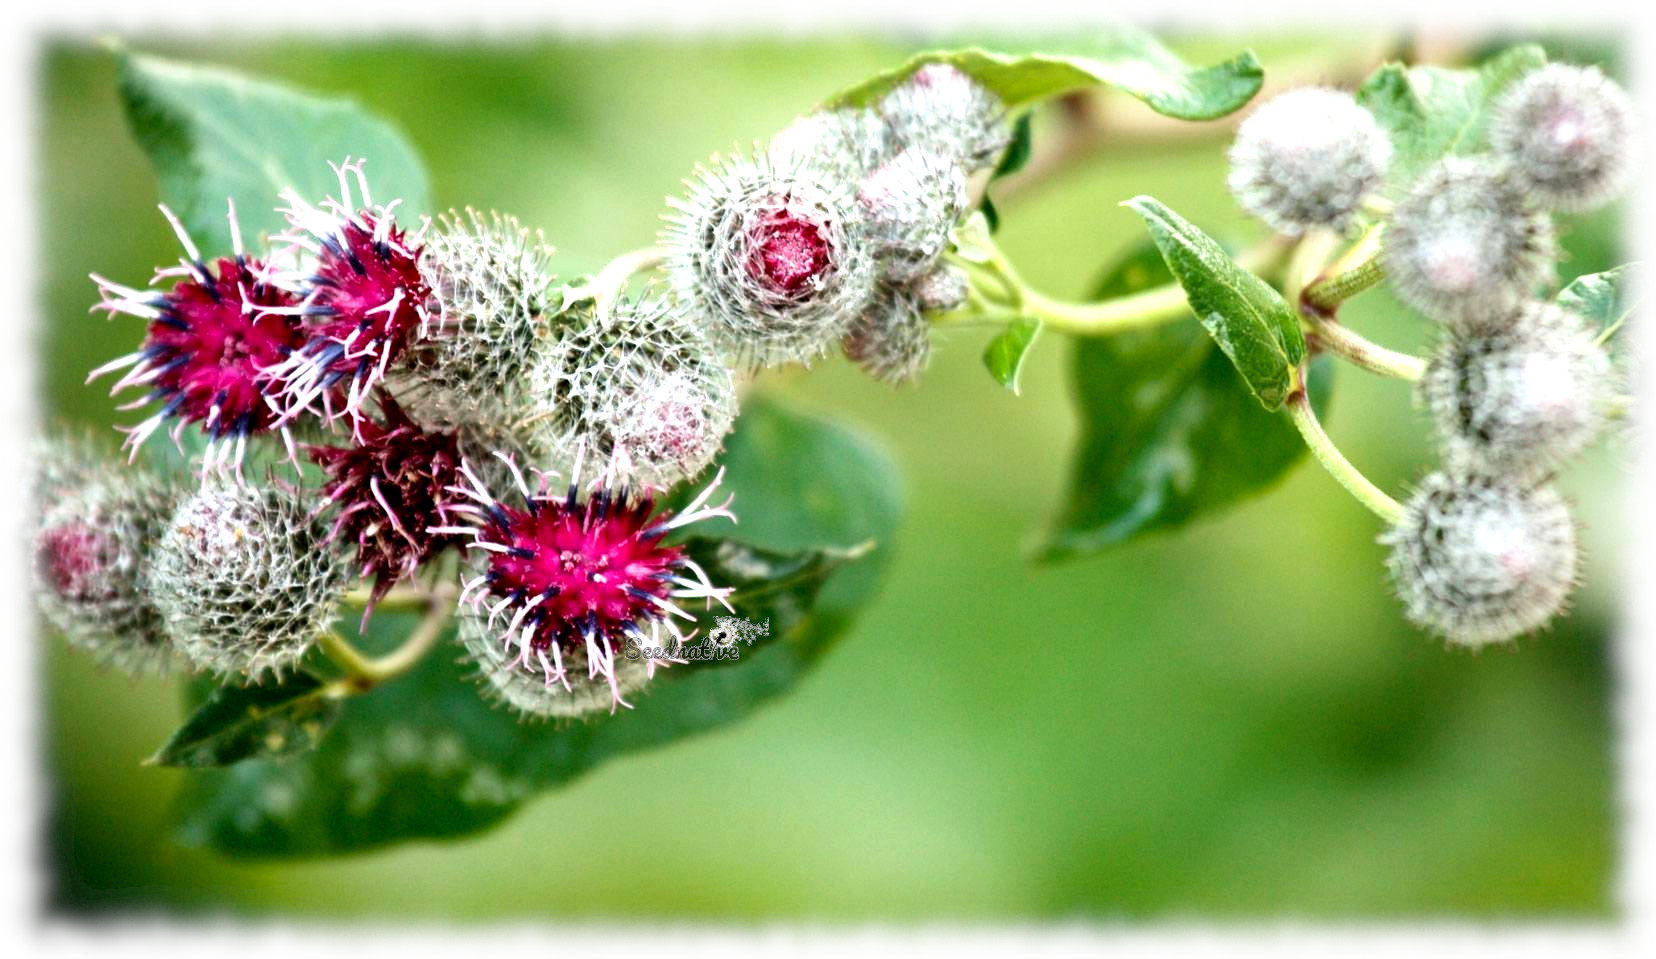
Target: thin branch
column 1332, row 460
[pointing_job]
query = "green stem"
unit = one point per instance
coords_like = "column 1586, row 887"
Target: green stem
column 1332, row 460
column 1355, row 271
column 353, row 661
column 607, row 285
column 1148, row 308
column 1307, row 261
column 1342, row 341
column 1012, row 298
column 1326, row 294
column 399, row 599
column 363, row 672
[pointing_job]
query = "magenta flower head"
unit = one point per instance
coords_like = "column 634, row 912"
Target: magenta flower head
column 390, row 485
column 365, row 301
column 565, row 587
column 210, row 339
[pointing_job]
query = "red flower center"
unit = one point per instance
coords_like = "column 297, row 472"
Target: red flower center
column 594, row 566
column 74, row 559
column 788, row 252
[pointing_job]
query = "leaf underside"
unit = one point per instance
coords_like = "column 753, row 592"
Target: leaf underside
column 1120, row 58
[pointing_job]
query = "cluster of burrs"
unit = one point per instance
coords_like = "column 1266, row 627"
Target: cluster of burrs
column 434, row 365
column 835, row 233
column 1485, row 549
column 419, row 362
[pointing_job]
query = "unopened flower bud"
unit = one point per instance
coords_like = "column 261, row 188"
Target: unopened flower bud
column 910, row 204
column 850, row 142
column 1567, row 133
column 1308, row 158
column 246, row 579
column 941, row 289
column 770, row 261
column 1523, row 396
column 1466, row 242
column 490, row 281
column 92, row 560
column 892, row 338
column 941, row 108
column 68, row 461
column 635, row 388
column 1480, row 560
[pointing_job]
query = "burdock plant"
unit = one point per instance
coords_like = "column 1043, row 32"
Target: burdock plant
column 435, row 418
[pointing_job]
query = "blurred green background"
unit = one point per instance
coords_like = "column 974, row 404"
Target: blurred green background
column 1231, row 720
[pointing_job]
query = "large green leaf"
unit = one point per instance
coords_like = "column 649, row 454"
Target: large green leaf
column 425, row 756
column 1120, row 57
column 1167, row 432
column 1430, row 112
column 214, row 135
column 1245, row 315
column 238, row 722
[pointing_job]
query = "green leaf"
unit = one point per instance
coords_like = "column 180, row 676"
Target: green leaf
column 1430, row 112
column 1247, row 317
column 1167, row 432
column 238, row 722
column 214, row 135
column 1600, row 299
column 426, row 756
column 1006, row 352
column 1018, row 151
column 1016, row 156
column 1122, row 58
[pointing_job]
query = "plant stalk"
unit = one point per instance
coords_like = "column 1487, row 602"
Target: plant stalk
column 363, row 673
column 1332, row 460
column 1146, row 308
column 1344, row 342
